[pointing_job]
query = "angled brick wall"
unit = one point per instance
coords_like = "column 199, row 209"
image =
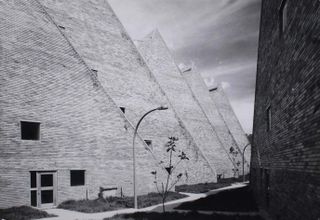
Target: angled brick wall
column 286, row 154
column 44, row 78
column 222, row 102
column 81, row 127
column 100, row 39
column 164, row 69
column 211, row 109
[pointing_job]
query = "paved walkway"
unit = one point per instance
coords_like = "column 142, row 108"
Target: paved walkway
column 73, row 215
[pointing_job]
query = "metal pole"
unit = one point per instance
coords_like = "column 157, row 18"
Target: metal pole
column 244, row 149
column 134, row 155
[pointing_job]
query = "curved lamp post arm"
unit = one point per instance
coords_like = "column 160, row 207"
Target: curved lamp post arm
column 138, row 124
column 134, row 155
column 244, row 150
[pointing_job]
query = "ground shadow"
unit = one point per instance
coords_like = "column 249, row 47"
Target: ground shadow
column 233, row 200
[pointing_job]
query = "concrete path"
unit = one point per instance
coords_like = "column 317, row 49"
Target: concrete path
column 170, row 206
column 73, row 215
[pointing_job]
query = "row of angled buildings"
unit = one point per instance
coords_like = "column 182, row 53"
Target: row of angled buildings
column 73, row 85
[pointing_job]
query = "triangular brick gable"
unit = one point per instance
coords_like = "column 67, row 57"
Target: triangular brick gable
column 185, row 103
column 222, row 102
column 100, row 39
column 211, row 108
column 44, row 80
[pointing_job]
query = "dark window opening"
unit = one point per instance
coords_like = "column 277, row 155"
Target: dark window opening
column 46, row 180
column 95, row 72
column 267, row 187
column 34, row 198
column 46, row 196
column 33, row 179
column 268, row 118
column 77, row 177
column 283, row 17
column 30, row 130
column 149, row 143
column 123, row 109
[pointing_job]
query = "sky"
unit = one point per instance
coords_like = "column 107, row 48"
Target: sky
column 219, row 36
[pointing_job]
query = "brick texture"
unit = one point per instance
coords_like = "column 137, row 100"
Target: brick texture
column 47, row 54
column 285, row 161
column 226, row 111
column 185, row 104
column 217, row 119
column 100, row 39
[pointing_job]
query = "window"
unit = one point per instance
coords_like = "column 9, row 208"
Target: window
column 123, row 109
column 33, row 186
column 283, row 16
column 30, row 130
column 268, row 118
column 149, row 143
column 77, row 177
column 95, row 72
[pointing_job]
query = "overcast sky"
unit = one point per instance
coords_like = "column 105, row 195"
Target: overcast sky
column 219, row 36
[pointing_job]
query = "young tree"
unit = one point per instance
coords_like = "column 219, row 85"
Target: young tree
column 234, row 153
column 170, row 182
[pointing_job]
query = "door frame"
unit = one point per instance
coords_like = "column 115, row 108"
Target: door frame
column 39, row 188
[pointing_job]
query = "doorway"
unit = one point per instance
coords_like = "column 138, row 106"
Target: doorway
column 43, row 188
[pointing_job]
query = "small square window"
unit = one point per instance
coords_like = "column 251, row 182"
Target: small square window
column 123, row 109
column 95, row 72
column 77, row 177
column 149, row 143
column 268, row 116
column 30, row 130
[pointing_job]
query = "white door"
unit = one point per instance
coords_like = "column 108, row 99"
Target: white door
column 46, row 190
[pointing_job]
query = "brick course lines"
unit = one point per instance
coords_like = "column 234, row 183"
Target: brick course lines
column 288, row 81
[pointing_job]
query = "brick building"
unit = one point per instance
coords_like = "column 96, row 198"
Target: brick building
column 72, row 86
column 285, row 164
column 187, row 85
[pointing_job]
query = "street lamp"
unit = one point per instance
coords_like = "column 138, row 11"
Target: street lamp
column 134, row 155
column 244, row 149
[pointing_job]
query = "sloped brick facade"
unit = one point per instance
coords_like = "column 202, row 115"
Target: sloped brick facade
column 214, row 106
column 46, row 79
column 100, row 39
column 185, row 104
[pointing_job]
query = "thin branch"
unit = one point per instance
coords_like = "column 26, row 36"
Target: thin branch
column 175, row 166
column 174, row 184
column 156, row 183
column 169, row 172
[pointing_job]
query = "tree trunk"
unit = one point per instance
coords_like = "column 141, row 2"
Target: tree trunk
column 163, row 206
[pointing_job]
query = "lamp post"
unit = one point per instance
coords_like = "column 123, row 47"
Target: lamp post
column 244, row 149
column 134, row 155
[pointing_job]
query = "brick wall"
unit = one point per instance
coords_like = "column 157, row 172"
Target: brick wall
column 212, row 111
column 43, row 80
column 46, row 77
column 106, row 47
column 226, row 111
column 184, row 102
column 286, row 157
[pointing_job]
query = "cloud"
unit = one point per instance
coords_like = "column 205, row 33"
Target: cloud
column 225, row 85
